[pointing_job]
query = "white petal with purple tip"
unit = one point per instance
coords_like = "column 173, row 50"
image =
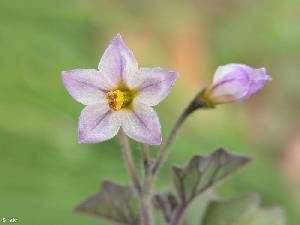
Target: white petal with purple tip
column 232, row 69
column 230, row 90
column 97, row 123
column 117, row 62
column 86, row 86
column 258, row 81
column 142, row 124
column 153, row 84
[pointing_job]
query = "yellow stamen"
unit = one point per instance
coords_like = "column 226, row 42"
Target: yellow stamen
column 118, row 99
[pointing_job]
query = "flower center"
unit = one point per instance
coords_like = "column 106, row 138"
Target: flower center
column 119, row 99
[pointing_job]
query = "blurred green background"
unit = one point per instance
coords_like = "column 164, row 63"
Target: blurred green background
column 44, row 172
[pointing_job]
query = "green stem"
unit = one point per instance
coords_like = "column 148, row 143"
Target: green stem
column 166, row 149
column 143, row 193
column 145, row 158
column 178, row 215
column 197, row 103
column 129, row 162
column 146, row 206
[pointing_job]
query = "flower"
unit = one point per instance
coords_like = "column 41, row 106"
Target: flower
column 119, row 94
column 235, row 82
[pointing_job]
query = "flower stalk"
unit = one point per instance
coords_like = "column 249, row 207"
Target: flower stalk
column 179, row 215
column 146, row 161
column 199, row 102
column 142, row 191
column 129, row 162
column 146, row 207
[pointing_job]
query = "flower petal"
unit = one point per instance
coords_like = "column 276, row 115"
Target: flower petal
column 259, row 80
column 85, row 85
column 97, row 123
column 153, row 84
column 117, row 62
column 230, row 90
column 142, row 124
column 236, row 82
column 232, row 69
column 231, row 83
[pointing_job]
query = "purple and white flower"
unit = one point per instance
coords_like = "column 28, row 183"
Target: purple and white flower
column 119, row 94
column 235, row 82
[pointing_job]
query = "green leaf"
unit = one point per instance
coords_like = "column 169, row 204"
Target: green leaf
column 242, row 211
column 202, row 172
column 116, row 203
column 196, row 211
column 166, row 202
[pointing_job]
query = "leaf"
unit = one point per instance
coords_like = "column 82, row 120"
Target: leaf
column 116, row 203
column 196, row 211
column 244, row 210
column 202, row 172
column 166, row 202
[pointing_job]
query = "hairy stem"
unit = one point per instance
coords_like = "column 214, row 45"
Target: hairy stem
column 146, row 206
column 144, row 197
column 179, row 214
column 146, row 209
column 166, row 149
column 145, row 159
column 127, row 155
column 195, row 104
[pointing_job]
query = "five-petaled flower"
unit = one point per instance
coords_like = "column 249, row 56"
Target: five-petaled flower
column 235, row 82
column 119, row 94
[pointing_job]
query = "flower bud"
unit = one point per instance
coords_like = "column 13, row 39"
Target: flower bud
column 235, row 82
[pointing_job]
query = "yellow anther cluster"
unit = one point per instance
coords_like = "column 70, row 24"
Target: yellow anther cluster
column 115, row 99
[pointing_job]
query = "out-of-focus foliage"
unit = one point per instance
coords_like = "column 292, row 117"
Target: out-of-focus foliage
column 204, row 172
column 42, row 168
column 243, row 210
column 116, row 203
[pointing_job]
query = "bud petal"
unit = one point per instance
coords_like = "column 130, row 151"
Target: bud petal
column 235, row 82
